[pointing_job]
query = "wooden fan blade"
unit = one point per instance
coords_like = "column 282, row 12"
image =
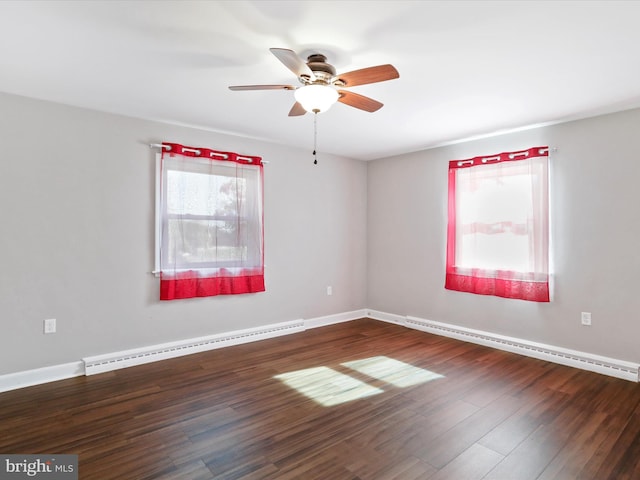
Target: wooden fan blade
column 293, row 62
column 297, row 110
column 359, row 101
column 364, row 76
column 261, row 87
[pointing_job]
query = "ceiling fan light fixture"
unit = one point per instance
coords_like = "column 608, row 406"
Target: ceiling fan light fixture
column 316, row 98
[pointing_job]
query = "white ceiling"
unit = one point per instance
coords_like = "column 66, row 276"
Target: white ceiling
column 467, row 68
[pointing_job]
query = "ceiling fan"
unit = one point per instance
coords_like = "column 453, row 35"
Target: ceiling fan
column 321, row 86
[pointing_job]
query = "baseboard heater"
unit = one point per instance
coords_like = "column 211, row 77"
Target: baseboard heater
column 139, row 356
column 585, row 361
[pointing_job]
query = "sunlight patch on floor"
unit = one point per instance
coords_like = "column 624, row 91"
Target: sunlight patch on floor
column 326, row 386
column 394, row 372
column 329, row 387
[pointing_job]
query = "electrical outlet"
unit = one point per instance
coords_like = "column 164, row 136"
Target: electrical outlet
column 585, row 318
column 329, row 290
column 50, row 325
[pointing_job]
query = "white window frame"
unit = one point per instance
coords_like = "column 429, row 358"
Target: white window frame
column 159, row 225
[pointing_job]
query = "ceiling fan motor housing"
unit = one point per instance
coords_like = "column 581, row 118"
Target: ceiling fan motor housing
column 323, row 71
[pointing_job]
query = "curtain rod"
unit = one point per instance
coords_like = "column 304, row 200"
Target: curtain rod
column 197, row 152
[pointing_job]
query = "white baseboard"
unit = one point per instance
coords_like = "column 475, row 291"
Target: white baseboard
column 572, row 358
column 29, row 378
column 386, row 317
column 139, row 356
column 337, row 318
column 154, row 353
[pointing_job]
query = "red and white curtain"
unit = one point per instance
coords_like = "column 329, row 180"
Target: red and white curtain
column 498, row 225
column 211, row 238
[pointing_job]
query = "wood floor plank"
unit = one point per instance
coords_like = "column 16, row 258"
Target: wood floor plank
column 533, row 455
column 568, row 461
column 424, row 430
column 367, row 462
column 444, row 448
column 477, row 413
column 505, row 437
column 623, row 461
column 193, row 471
column 472, row 464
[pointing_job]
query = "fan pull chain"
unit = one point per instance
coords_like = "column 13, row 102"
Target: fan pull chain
column 315, row 137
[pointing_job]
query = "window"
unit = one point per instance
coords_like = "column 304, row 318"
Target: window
column 209, row 235
column 498, row 225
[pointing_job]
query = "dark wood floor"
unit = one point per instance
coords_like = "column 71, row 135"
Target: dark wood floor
column 482, row 414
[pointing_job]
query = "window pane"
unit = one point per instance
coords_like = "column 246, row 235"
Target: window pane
column 212, row 215
column 196, row 193
column 204, row 241
column 494, row 221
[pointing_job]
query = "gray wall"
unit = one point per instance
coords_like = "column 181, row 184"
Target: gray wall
column 77, row 200
column 595, row 208
column 77, row 242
